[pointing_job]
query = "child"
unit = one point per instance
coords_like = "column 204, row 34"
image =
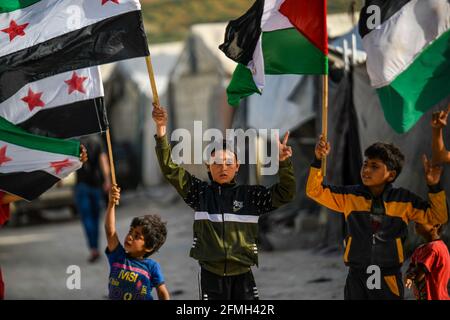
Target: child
column 133, row 275
column 439, row 121
column 377, row 216
column 429, row 269
column 226, row 215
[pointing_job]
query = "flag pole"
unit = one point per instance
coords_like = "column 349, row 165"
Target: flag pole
column 324, row 119
column 151, row 75
column 111, row 161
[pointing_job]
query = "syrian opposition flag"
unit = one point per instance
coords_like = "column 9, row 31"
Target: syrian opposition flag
column 275, row 37
column 39, row 39
column 69, row 104
column 30, row 164
column 408, row 56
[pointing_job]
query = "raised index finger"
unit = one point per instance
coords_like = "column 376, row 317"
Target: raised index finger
column 425, row 161
column 286, row 137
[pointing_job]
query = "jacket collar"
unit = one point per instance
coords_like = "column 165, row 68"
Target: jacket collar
column 386, row 191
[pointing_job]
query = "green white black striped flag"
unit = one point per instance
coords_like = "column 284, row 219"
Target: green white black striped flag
column 31, row 164
column 408, row 56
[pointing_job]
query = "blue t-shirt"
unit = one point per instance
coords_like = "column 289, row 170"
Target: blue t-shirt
column 132, row 279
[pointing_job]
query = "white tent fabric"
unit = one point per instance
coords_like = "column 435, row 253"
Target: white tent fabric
column 274, row 109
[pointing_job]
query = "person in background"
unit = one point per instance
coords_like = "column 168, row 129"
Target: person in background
column 93, row 179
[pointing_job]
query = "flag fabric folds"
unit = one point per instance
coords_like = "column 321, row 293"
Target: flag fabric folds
column 50, row 82
column 52, row 36
column 408, row 56
column 275, row 37
column 65, row 105
column 31, row 164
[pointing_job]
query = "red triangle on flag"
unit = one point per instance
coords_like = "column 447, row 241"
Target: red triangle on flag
column 105, row 1
column 310, row 18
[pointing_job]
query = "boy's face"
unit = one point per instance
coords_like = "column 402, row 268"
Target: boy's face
column 374, row 173
column 223, row 166
column 134, row 242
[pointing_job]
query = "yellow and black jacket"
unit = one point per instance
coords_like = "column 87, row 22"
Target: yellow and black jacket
column 373, row 238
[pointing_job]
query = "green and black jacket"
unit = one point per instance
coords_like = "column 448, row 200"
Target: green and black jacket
column 376, row 228
column 226, row 216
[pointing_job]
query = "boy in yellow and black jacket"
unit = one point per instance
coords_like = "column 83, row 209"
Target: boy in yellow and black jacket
column 377, row 217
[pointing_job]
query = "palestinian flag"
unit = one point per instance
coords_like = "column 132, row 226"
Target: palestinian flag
column 275, row 37
column 30, row 165
column 66, row 105
column 42, row 38
column 408, row 56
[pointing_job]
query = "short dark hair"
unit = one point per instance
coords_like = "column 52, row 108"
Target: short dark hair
column 225, row 145
column 391, row 156
column 154, row 231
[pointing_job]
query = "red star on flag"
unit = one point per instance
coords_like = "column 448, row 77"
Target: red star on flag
column 105, row 1
column 76, row 83
column 15, row 30
column 3, row 157
column 33, row 99
column 59, row 165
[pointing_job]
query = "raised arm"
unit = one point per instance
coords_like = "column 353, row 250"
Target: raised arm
column 331, row 197
column 284, row 191
column 110, row 219
column 185, row 184
column 434, row 211
column 438, row 122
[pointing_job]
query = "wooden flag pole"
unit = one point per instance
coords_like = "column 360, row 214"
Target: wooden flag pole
column 111, row 161
column 324, row 119
column 151, row 75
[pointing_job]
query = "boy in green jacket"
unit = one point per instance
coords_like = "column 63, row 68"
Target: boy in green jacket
column 226, row 215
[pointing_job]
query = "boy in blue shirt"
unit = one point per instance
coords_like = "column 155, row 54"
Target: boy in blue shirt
column 133, row 275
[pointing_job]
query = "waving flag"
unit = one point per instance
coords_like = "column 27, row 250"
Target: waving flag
column 44, row 38
column 408, row 56
column 30, row 164
column 65, row 105
column 275, row 37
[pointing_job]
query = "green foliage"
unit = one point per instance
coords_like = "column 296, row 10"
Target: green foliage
column 169, row 20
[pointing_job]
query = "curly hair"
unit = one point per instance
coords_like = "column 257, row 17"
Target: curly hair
column 154, row 231
column 391, row 156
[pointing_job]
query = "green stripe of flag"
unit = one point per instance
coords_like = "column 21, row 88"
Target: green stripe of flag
column 12, row 5
column 423, row 84
column 15, row 135
column 241, row 85
column 287, row 51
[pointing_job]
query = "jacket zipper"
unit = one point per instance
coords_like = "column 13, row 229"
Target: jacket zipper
column 223, row 232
